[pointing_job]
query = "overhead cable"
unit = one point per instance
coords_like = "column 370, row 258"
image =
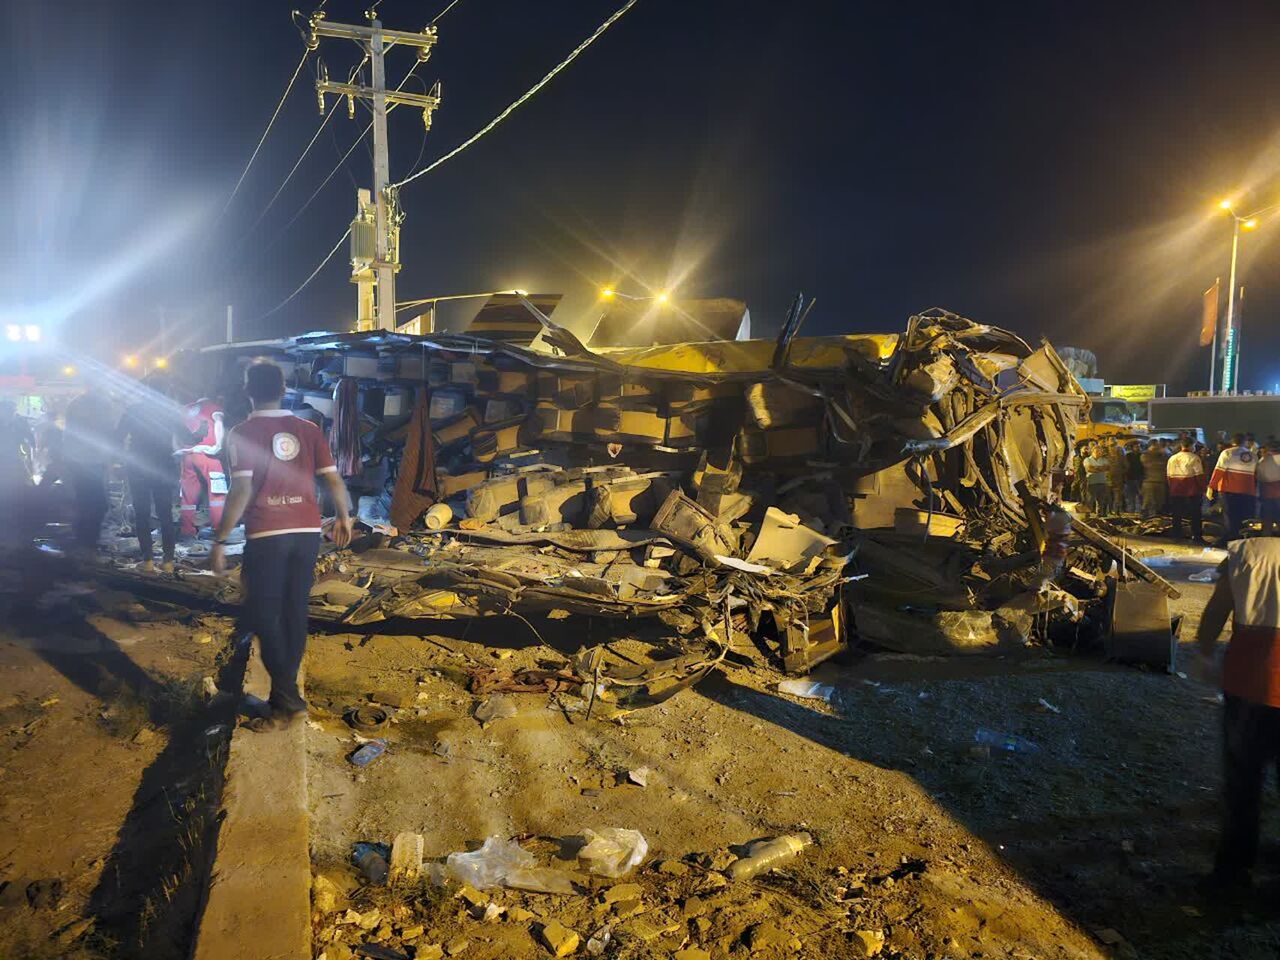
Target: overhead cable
column 617, row 14
column 350, row 150
column 270, row 123
column 306, row 150
column 302, row 286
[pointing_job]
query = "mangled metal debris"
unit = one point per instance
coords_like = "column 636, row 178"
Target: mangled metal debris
column 776, row 498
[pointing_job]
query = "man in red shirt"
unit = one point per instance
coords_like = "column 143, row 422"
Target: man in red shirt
column 275, row 460
column 1234, row 478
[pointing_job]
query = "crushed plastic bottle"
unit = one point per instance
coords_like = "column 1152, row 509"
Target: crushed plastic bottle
column 1004, row 741
column 809, row 690
column 489, row 866
column 368, row 753
column 764, row 855
column 371, row 860
column 613, row 851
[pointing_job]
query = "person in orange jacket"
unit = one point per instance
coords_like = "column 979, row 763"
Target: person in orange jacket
column 202, row 469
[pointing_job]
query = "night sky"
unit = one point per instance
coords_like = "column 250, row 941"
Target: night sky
column 1051, row 168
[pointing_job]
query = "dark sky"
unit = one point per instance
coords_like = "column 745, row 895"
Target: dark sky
column 1052, row 168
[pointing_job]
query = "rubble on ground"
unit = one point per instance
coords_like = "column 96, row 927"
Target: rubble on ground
column 776, row 499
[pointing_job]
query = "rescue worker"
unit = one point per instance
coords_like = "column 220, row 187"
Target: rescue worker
column 1234, row 478
column 1268, row 477
column 202, row 469
column 148, row 431
column 1077, row 489
column 1154, row 482
column 1249, row 589
column 1185, row 475
column 1097, row 467
column 275, row 460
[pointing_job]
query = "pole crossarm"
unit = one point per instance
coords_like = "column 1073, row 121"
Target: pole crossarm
column 345, row 31
column 423, row 100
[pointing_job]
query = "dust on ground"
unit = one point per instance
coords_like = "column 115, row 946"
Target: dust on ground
column 1088, row 847
column 110, row 765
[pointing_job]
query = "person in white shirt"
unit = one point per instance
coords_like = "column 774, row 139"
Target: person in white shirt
column 1268, row 477
column 1185, row 472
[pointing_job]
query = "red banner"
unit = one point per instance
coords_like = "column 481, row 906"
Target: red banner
column 1209, row 318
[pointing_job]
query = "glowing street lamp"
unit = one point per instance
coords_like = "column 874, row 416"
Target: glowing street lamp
column 131, row 360
column 1231, row 343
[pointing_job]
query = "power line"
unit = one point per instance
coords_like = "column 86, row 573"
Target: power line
column 617, row 14
column 304, row 283
column 439, row 15
column 306, row 150
column 350, row 150
column 270, row 123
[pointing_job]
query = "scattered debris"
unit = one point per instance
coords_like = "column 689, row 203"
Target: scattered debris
column 497, row 707
column 558, row 938
column 613, row 852
column 406, row 859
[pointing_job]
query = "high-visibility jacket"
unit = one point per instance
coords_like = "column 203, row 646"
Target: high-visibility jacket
column 200, row 418
column 1251, row 668
column 1268, row 476
column 1235, row 472
column 1186, row 475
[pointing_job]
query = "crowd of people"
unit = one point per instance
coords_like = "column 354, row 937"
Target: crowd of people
column 169, row 451
column 1179, row 478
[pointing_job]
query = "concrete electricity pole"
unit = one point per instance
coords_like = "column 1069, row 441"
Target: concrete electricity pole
column 376, row 41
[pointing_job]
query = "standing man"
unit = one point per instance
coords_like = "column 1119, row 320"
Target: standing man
column 1234, row 478
column 87, row 445
column 275, row 460
column 1268, row 477
column 1097, row 474
column 1185, row 473
column 1119, row 477
column 1154, row 491
column 1133, row 477
column 1249, row 588
column 148, row 431
column 202, row 470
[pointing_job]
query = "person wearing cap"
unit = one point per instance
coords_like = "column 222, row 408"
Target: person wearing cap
column 275, row 461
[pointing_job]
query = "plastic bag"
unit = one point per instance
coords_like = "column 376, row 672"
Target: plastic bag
column 488, row 866
column 613, row 852
column 496, row 707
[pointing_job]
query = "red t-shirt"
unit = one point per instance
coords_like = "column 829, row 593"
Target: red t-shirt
column 282, row 454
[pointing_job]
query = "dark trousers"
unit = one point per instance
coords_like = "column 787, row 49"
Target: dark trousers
column 1251, row 743
column 89, row 483
column 1236, row 509
column 277, row 577
column 148, row 489
column 1186, row 508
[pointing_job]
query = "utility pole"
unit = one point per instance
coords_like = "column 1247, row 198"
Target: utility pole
column 376, row 41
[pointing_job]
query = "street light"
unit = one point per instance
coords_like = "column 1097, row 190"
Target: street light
column 1231, row 345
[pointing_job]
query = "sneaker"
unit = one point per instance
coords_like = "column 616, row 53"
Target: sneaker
column 167, row 567
column 148, row 566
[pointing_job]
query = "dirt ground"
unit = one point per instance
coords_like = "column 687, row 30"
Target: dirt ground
column 109, row 766
column 1088, row 847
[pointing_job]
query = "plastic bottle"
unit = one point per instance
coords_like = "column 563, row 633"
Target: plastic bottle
column 1004, row 741
column 764, row 855
column 369, row 860
column 368, row 753
column 809, row 690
